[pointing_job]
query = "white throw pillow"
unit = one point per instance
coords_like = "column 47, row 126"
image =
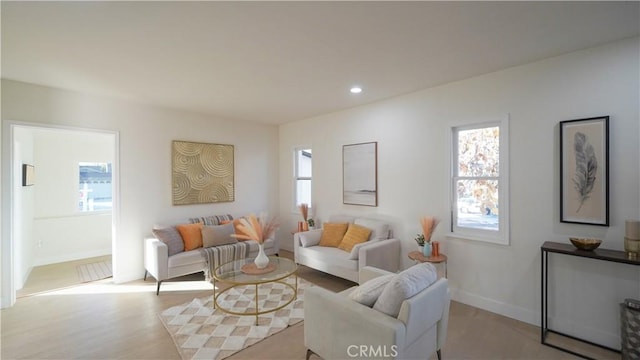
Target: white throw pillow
column 379, row 229
column 367, row 293
column 218, row 235
column 407, row 284
column 307, row 241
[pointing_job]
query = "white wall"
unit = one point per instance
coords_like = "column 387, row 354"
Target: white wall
column 61, row 232
column 23, row 208
column 413, row 165
column 145, row 135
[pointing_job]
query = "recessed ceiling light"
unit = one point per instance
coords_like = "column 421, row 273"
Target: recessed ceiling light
column 356, row 90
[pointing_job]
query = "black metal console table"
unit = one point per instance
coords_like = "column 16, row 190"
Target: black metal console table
column 568, row 249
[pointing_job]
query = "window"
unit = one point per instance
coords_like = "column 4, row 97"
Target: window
column 95, row 186
column 479, row 182
column 302, row 174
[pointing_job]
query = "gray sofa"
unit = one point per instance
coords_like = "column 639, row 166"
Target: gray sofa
column 159, row 264
column 380, row 251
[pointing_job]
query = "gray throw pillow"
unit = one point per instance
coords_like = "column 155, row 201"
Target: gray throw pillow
column 171, row 237
column 218, row 235
column 367, row 293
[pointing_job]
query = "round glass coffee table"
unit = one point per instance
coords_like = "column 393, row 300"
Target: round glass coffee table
column 234, row 273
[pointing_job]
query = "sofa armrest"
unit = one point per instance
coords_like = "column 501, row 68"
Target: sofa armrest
column 327, row 313
column 428, row 308
column 156, row 258
column 368, row 272
column 383, row 254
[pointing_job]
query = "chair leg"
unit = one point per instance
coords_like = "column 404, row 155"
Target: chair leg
column 158, row 289
column 309, row 352
column 439, row 354
column 145, row 275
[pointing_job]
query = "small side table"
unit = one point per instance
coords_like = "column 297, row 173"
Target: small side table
column 418, row 256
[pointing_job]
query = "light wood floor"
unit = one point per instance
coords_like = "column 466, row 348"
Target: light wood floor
column 101, row 320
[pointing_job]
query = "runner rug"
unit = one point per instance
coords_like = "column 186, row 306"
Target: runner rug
column 94, row 271
column 202, row 332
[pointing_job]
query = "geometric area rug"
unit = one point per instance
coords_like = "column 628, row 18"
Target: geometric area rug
column 201, row 332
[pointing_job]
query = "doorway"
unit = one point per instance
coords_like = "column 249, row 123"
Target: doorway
column 48, row 221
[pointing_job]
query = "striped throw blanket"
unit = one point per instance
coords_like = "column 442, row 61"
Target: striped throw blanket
column 218, row 255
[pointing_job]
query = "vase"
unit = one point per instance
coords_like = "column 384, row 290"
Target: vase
column 262, row 260
column 426, row 249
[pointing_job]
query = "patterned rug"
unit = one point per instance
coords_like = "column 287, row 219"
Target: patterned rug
column 201, row 332
column 94, row 271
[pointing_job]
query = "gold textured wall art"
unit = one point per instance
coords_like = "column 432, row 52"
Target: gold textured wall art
column 202, row 173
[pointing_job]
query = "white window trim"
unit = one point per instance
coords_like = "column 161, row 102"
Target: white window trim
column 294, row 188
column 502, row 237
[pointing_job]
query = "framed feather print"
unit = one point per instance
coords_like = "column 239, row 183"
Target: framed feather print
column 584, row 171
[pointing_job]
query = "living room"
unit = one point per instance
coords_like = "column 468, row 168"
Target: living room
column 411, row 129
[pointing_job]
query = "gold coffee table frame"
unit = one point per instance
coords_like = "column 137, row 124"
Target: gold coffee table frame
column 231, row 273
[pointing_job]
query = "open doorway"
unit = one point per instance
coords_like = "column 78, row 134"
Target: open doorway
column 66, row 213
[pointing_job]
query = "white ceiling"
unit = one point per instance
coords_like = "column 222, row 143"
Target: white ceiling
column 276, row 62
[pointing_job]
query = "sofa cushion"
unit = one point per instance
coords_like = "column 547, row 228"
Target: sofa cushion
column 355, row 234
column 191, row 235
column 171, row 237
column 367, row 293
column 379, row 229
column 187, row 258
column 253, row 247
column 332, row 234
column 405, row 285
column 216, row 235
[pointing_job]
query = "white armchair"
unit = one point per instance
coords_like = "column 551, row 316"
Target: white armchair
column 336, row 327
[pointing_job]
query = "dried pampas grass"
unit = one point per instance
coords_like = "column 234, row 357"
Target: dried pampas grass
column 429, row 224
column 304, row 210
column 257, row 228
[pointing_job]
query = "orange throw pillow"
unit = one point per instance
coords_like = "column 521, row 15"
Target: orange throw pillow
column 356, row 234
column 332, row 234
column 191, row 235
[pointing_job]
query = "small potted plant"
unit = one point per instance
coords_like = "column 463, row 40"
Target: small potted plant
column 420, row 239
column 311, row 224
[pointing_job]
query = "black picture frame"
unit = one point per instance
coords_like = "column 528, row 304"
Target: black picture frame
column 28, row 175
column 584, row 171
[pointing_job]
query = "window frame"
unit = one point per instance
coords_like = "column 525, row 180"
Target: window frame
column 500, row 237
column 297, row 178
column 78, row 198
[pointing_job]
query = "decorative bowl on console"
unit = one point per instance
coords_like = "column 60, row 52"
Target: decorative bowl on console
column 585, row 243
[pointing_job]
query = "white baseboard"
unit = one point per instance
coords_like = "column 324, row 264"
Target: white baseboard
column 598, row 336
column 71, row 257
column 588, row 333
column 24, row 279
column 500, row 308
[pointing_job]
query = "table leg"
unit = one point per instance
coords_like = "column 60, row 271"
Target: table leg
column 256, row 304
column 214, row 292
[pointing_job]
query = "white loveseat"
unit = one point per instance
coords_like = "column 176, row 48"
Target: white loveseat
column 380, row 251
column 345, row 325
column 159, row 264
